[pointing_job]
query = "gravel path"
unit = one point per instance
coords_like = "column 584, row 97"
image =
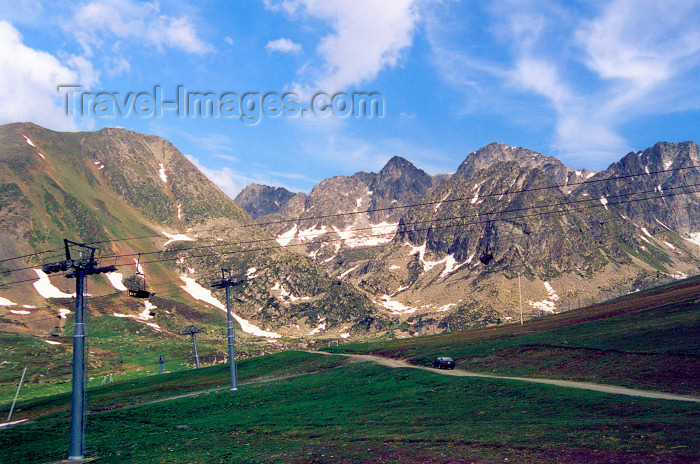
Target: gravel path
column 398, row 363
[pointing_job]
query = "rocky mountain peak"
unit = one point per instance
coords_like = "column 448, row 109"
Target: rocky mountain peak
column 260, row 200
column 398, row 183
column 498, row 153
column 397, row 163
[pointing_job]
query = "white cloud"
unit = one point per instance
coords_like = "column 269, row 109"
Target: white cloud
column 596, row 69
column 103, row 20
column 642, row 41
column 367, row 36
column 28, row 81
column 283, row 46
column 223, row 177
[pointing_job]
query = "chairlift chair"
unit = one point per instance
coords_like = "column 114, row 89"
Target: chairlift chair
column 486, row 257
column 137, row 284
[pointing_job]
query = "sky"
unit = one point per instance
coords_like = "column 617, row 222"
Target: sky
column 584, row 81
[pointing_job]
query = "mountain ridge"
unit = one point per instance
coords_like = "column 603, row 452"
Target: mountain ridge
column 505, row 210
column 136, row 194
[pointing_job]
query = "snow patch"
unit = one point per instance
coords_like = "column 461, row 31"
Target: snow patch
column 251, row 273
column 394, row 266
column 604, row 201
column 311, row 233
column 321, row 326
column 670, row 245
column 115, row 278
column 139, row 268
column 341, row 276
column 442, row 201
column 6, row 302
column 447, row 307
column 646, row 232
column 179, row 211
column 285, row 293
column 450, row 265
column 548, row 304
column 396, row 307
column 285, row 238
column 200, row 293
column 667, row 227
column 46, row 289
column 19, row 311
column 176, row 238
column 146, row 313
column 449, row 261
column 694, row 238
column 28, row 141
column 154, row 326
column 668, row 164
column 379, row 234
column 163, row 177
column 51, row 342
column 63, row 313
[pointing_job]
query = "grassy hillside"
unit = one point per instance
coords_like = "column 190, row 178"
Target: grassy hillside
column 360, row 413
column 645, row 340
column 295, row 407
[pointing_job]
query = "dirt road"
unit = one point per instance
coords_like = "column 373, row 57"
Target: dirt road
column 398, row 363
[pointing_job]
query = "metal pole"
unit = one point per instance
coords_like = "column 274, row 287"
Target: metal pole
column 9, row 416
column 520, row 291
column 194, row 343
column 77, row 421
column 231, row 346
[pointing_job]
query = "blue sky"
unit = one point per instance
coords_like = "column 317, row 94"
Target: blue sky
column 586, row 82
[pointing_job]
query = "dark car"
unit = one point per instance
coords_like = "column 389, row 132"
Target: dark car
column 443, row 362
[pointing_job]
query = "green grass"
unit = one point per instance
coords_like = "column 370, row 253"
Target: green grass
column 648, row 340
column 368, row 413
column 155, row 387
column 363, row 413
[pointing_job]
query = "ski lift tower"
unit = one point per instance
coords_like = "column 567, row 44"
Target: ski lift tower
column 79, row 267
column 227, row 282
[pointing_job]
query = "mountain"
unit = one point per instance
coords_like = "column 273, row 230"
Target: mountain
column 370, row 254
column 670, row 184
column 448, row 249
column 138, row 198
column 347, row 212
column 261, row 200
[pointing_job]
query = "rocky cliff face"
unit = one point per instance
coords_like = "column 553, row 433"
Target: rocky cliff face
column 451, row 246
column 667, row 196
column 261, row 200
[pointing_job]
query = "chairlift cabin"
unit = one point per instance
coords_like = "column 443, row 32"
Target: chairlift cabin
column 137, row 287
column 486, row 257
column 137, row 283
